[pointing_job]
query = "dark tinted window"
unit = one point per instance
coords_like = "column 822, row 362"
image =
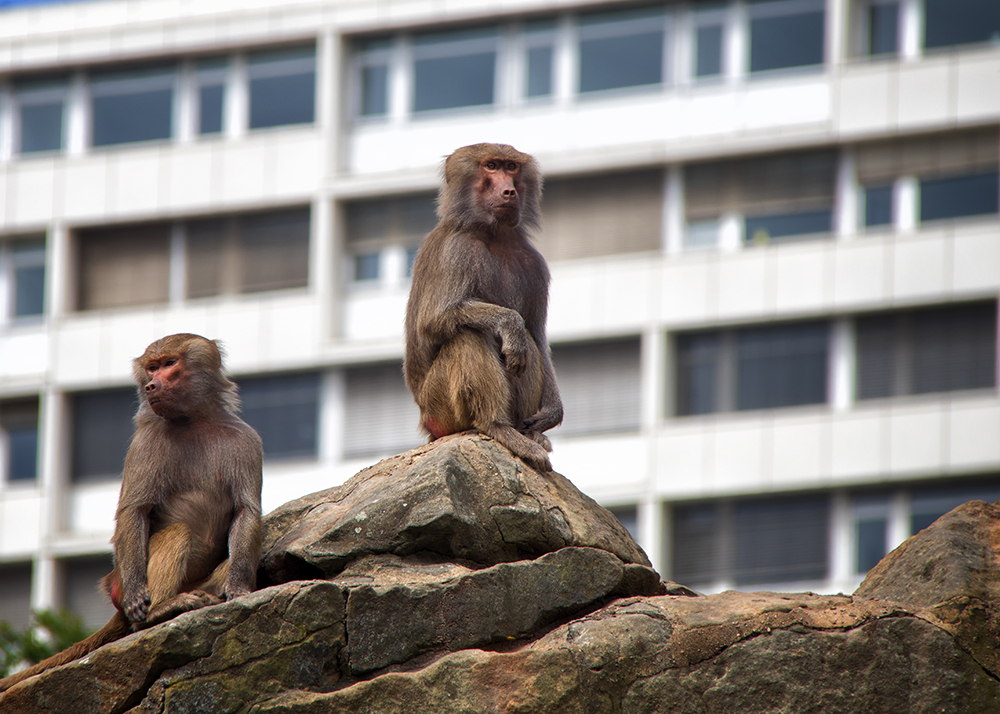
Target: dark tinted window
column 878, row 206
column 781, row 366
column 285, row 412
column 956, row 22
column 883, row 28
column 780, row 41
column 282, row 87
column 708, row 51
column 623, row 49
column 959, row 196
column 130, row 106
column 454, row 69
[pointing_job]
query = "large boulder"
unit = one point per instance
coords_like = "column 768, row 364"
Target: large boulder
column 453, row 578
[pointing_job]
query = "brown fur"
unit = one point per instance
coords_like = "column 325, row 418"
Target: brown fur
column 477, row 355
column 188, row 530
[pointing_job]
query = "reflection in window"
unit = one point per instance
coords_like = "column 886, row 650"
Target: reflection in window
column 959, row 22
column 132, row 105
column 540, row 65
column 19, row 428
column 708, row 51
column 454, row 69
column 41, row 107
column 960, row 196
column 878, row 206
column 883, row 28
column 284, row 410
column 752, row 368
column 211, row 79
column 762, row 229
column 373, row 59
column 622, row 49
column 939, row 349
column 102, row 428
column 282, row 87
column 785, row 34
column 26, row 259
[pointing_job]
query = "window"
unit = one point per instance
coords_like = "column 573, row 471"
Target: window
column 22, row 278
column 878, row 205
column 780, row 198
column 211, row 79
column 282, row 87
column 785, row 34
column 622, row 49
column 882, row 19
column 454, row 69
column 81, row 596
column 41, row 106
column 958, row 22
column 382, row 416
column 285, row 412
column 15, row 594
column 702, row 234
column 132, row 105
column 871, row 531
column 19, row 439
column 250, row 253
column 751, row 542
column 939, row 349
column 374, row 56
column 102, row 429
column 628, row 516
column 600, row 385
column 540, row 38
column 123, row 266
column 929, row 504
column 752, row 368
column 607, row 214
column 960, row 196
column 374, row 226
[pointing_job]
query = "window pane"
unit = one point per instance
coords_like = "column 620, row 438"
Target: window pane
column 19, row 420
column 102, row 429
column 781, row 366
column 786, row 41
column 959, row 196
column 871, row 544
column 41, row 127
column 366, row 266
column 955, row 22
column 374, row 90
column 449, row 82
column 708, row 57
column 702, row 234
column 282, row 88
column 763, row 229
column 878, row 206
column 539, row 71
column 698, row 362
column 954, row 348
column 628, row 516
column 626, row 61
column 82, row 595
column 285, row 412
column 883, row 28
column 210, row 109
column 781, row 541
column 133, row 105
column 880, row 360
column 15, row 594
column 29, row 289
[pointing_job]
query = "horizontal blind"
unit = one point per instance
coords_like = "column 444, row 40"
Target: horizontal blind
column 381, row 416
column 782, row 540
column 123, row 266
column 607, row 214
column 928, row 156
column 600, row 385
column 83, row 593
column 15, row 594
column 274, row 248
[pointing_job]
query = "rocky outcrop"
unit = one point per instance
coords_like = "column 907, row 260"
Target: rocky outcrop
column 453, row 578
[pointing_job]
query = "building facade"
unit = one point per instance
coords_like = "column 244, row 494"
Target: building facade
column 773, row 228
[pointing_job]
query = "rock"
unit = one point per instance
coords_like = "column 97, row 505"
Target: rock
column 454, row 579
column 462, row 498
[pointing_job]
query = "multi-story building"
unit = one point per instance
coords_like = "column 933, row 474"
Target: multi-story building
column 773, row 228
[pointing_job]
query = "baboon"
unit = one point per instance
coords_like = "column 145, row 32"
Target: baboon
column 477, row 356
column 188, row 526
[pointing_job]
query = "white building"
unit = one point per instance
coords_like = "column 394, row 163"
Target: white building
column 773, row 228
